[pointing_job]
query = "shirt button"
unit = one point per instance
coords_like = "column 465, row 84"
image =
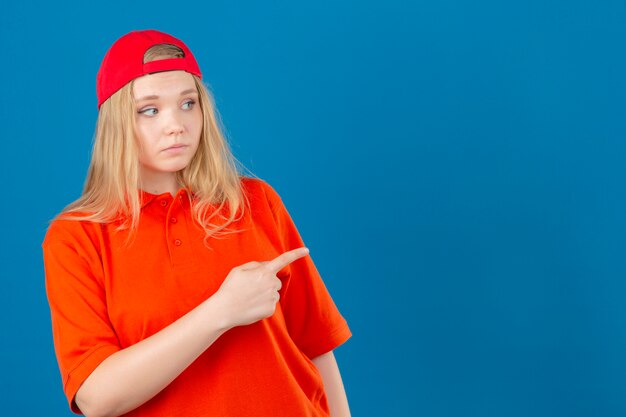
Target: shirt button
column 163, row 203
column 177, row 242
column 173, row 220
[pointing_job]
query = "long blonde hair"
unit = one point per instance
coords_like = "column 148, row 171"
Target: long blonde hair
column 111, row 188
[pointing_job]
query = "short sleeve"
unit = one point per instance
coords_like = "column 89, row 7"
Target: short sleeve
column 83, row 335
column 313, row 320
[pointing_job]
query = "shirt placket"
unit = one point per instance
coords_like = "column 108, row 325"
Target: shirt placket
column 177, row 234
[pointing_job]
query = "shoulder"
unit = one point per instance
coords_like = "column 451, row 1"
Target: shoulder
column 71, row 228
column 258, row 190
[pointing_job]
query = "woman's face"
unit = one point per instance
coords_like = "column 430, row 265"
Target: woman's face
column 168, row 122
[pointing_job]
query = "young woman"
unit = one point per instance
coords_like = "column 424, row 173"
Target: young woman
column 177, row 286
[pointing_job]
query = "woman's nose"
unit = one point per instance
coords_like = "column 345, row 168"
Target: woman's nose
column 174, row 124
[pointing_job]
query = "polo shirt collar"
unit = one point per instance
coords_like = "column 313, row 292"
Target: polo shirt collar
column 146, row 197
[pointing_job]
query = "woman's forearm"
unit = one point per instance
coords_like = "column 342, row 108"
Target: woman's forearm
column 333, row 385
column 132, row 376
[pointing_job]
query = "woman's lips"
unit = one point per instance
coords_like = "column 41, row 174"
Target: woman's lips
column 175, row 148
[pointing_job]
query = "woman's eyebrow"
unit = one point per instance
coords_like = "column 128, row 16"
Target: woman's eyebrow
column 182, row 93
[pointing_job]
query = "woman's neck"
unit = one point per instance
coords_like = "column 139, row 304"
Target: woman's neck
column 159, row 182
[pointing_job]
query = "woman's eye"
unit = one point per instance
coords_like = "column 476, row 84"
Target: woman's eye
column 146, row 111
column 152, row 111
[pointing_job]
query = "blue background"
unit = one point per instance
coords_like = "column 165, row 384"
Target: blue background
column 457, row 169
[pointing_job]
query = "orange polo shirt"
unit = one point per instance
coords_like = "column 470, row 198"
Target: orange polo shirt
column 105, row 296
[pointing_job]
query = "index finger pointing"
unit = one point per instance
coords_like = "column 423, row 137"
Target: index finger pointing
column 286, row 258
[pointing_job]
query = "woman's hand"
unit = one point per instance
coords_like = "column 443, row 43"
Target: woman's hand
column 250, row 291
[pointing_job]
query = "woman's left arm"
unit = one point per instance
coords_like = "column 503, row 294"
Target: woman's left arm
column 333, row 385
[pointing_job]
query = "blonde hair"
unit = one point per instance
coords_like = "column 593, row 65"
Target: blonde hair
column 111, row 188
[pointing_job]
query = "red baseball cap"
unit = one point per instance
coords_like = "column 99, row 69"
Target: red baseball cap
column 123, row 62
